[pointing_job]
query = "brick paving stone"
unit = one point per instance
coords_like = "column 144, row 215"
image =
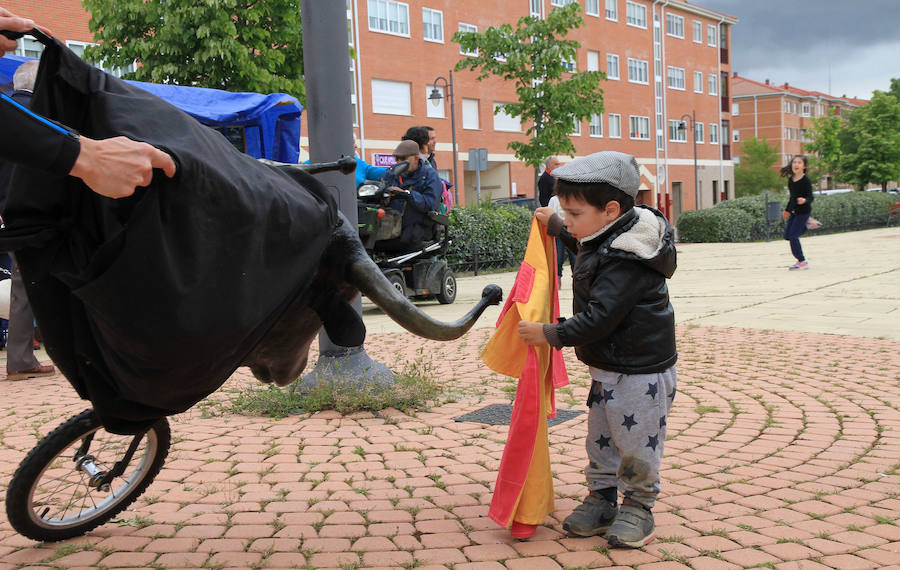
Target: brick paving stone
column 286, row 560
column 373, row 544
column 493, row 566
column 535, row 547
column 235, row 559
column 440, row 556
column 711, row 543
column 221, row 545
column 182, row 560
column 128, row 559
column 84, row 558
column 334, row 560
column 846, row 562
column 485, row 552
column 748, row 557
column 387, row 559
column 444, row 540
column 535, row 563
column 790, row 551
column 172, row 545
column 707, row 563
column 275, row 545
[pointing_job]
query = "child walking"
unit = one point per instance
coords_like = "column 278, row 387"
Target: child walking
column 623, row 328
column 799, row 207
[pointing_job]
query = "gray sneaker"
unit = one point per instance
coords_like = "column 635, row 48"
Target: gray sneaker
column 633, row 527
column 591, row 517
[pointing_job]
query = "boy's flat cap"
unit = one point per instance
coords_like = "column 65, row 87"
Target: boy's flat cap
column 615, row 168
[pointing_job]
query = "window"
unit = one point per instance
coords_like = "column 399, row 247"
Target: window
column 725, row 132
column 698, row 132
column 592, row 7
column 612, row 66
column 595, row 127
column 698, row 82
column 467, row 28
column 576, row 128
column 433, row 25
column 677, row 130
column 612, row 10
column 805, row 110
column 711, row 37
column 735, row 109
column 29, row 47
column 615, row 126
column 78, row 49
column 593, row 60
column 389, row 17
column 639, row 127
column 504, row 122
column 637, row 71
column 432, row 110
column 675, row 25
column 676, row 78
column 713, row 84
column 536, row 8
column 636, row 15
column 713, row 133
column 736, row 136
column 390, row 97
column 569, row 65
column 561, row 2
column 698, row 32
column 470, row 114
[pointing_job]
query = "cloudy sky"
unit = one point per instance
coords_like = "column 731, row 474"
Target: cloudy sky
column 853, row 44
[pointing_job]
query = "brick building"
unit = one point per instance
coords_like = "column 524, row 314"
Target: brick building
column 667, row 62
column 781, row 114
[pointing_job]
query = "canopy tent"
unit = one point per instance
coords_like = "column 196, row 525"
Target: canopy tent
column 263, row 126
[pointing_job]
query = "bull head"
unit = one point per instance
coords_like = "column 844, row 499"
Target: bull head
column 345, row 271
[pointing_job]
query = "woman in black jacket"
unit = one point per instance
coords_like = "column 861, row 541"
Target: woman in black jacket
column 798, row 208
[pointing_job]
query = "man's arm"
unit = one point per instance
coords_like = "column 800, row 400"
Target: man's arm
column 426, row 198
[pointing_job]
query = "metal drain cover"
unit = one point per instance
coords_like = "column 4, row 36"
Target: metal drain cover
column 500, row 415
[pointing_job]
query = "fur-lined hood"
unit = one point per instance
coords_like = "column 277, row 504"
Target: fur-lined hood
column 643, row 234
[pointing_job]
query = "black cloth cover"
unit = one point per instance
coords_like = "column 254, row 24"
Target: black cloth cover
column 147, row 304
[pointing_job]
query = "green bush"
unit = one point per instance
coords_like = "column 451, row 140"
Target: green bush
column 498, row 233
column 715, row 225
column 837, row 212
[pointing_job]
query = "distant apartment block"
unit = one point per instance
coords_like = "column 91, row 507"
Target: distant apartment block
column 666, row 64
column 781, row 114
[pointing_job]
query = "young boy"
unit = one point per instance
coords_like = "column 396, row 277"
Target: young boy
column 623, row 328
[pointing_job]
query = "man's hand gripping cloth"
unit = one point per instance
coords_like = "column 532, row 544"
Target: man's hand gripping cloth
column 524, row 489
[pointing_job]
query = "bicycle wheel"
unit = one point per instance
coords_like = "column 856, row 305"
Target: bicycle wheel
column 80, row 476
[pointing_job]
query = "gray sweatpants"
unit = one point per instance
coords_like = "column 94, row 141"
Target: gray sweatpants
column 626, row 431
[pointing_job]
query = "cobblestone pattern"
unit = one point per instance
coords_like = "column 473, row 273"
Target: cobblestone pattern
column 783, row 453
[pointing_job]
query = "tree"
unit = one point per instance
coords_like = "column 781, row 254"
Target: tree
column 224, row 44
column 826, row 144
column 871, row 142
column 754, row 174
column 534, row 55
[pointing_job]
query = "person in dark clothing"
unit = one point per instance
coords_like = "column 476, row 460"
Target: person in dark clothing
column 20, row 360
column 799, row 207
column 421, row 193
column 546, row 181
column 623, row 328
column 111, row 167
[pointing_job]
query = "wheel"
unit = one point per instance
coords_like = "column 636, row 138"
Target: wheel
column 397, row 282
column 64, row 487
column 447, row 293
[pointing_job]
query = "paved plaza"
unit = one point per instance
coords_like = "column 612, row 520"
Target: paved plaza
column 783, row 448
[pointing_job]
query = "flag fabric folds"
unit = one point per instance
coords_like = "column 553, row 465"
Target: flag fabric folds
column 524, row 489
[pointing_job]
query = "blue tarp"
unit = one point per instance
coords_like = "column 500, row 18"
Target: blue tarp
column 263, row 126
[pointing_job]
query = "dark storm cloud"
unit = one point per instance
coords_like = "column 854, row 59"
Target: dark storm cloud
column 842, row 46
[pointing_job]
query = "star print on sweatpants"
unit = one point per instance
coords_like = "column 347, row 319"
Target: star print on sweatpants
column 626, row 431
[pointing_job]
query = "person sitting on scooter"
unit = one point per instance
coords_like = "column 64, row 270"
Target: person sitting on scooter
column 420, row 189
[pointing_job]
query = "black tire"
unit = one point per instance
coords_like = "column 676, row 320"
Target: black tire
column 50, row 498
column 447, row 294
column 397, row 282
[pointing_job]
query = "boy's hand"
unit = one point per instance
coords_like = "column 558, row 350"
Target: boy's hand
column 544, row 214
column 532, row 333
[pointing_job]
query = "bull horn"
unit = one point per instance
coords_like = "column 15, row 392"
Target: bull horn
column 365, row 275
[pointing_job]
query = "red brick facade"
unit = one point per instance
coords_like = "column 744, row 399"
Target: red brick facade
column 667, row 166
column 781, row 114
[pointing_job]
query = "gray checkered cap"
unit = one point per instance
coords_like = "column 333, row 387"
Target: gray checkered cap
column 615, row 168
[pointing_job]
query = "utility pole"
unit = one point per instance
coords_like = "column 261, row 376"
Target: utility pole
column 326, row 62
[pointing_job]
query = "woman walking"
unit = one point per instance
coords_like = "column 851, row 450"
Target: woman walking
column 798, row 208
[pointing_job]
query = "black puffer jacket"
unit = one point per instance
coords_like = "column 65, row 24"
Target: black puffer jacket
column 623, row 320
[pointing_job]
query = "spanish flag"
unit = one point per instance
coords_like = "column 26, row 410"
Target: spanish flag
column 523, row 493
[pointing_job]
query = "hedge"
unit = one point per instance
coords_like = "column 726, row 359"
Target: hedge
column 743, row 219
column 497, row 234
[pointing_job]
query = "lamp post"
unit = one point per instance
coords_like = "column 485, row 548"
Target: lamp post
column 693, row 119
column 435, row 97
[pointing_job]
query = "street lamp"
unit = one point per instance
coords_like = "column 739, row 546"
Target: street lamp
column 681, row 127
column 435, row 97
